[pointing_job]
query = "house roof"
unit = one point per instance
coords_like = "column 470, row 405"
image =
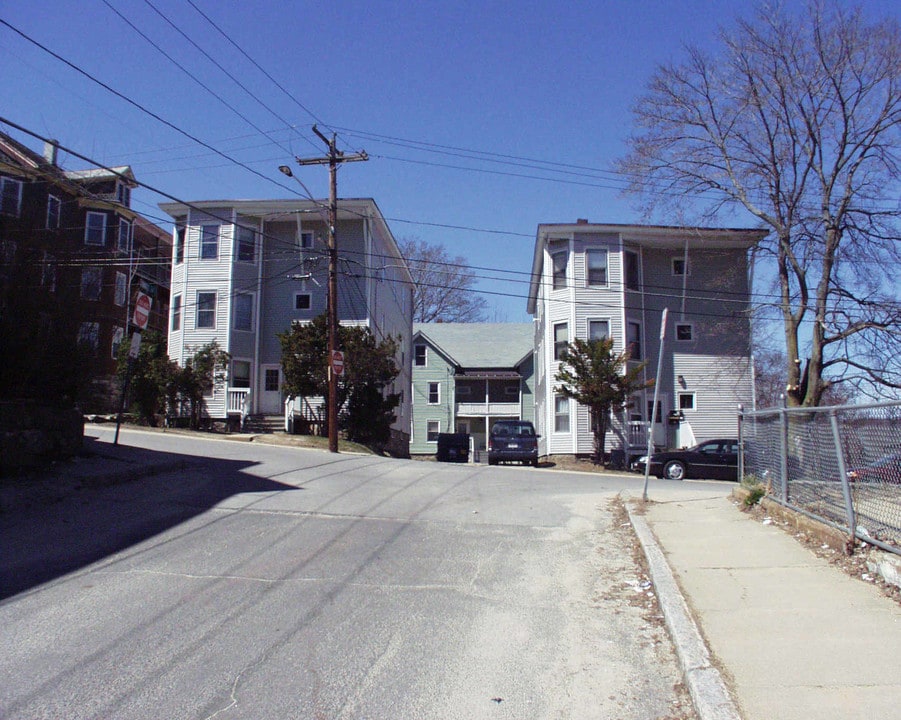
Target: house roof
column 102, row 174
column 480, row 345
column 651, row 236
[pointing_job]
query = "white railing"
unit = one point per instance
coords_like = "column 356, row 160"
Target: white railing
column 238, row 401
column 638, row 433
column 489, row 408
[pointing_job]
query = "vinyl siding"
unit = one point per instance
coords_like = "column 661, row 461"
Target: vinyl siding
column 439, row 370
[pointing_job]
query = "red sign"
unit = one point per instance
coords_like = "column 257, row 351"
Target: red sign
column 338, row 362
column 142, row 311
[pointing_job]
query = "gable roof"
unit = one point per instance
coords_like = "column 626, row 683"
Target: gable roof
column 480, row 345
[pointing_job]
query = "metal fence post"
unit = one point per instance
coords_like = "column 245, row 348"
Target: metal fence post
column 741, row 444
column 783, row 459
column 843, row 474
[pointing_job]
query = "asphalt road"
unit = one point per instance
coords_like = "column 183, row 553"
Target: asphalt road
column 272, row 582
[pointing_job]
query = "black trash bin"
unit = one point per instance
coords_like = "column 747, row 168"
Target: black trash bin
column 453, row 447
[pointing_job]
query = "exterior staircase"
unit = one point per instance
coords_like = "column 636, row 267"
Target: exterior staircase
column 264, row 424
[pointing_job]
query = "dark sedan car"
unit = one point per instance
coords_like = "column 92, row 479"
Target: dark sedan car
column 886, row 470
column 711, row 460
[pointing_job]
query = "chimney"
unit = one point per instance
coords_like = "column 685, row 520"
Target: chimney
column 51, row 148
column 582, row 221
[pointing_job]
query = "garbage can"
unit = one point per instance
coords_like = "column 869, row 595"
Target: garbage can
column 453, row 447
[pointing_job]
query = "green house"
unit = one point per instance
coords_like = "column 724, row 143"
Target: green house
column 468, row 375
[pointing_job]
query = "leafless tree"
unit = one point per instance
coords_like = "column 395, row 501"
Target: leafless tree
column 444, row 286
column 796, row 120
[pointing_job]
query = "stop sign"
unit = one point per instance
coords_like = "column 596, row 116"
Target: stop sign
column 338, row 362
column 142, row 311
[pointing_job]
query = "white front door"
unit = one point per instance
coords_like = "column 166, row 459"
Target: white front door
column 270, row 390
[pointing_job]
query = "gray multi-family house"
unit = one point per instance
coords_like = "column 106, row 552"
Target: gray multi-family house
column 466, row 376
column 602, row 280
column 243, row 271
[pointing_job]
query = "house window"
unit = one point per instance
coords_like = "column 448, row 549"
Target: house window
column 179, row 245
column 123, row 194
column 561, row 414
column 95, row 228
column 684, row 331
column 302, row 301
column 658, row 416
column 206, row 310
column 434, row 393
column 419, row 355
column 686, row 401
column 89, row 337
column 176, row 313
column 54, row 207
column 433, row 427
column 91, row 283
column 240, row 373
column 118, row 334
column 631, row 270
column 48, row 272
column 244, row 312
column 561, row 339
column 209, row 242
column 271, row 383
column 246, row 245
column 120, row 289
column 10, row 196
column 680, row 267
column 596, row 267
column 633, row 340
column 560, row 260
column 598, row 329
column 306, row 240
column 124, row 235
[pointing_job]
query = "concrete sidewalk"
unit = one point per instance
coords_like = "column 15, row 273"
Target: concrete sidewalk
column 794, row 637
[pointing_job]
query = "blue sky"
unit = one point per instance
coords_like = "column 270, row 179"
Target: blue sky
column 488, row 116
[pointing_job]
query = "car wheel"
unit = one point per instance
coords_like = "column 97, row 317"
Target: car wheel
column 535, row 462
column 492, row 461
column 674, row 470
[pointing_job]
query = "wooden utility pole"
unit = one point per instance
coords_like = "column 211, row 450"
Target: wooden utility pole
column 334, row 158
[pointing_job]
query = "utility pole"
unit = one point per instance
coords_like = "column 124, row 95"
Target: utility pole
column 333, row 159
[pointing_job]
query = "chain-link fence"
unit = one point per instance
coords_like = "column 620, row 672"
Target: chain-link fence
column 841, row 465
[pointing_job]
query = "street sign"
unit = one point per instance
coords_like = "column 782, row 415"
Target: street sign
column 142, row 311
column 338, row 362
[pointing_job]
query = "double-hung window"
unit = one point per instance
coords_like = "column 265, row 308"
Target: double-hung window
column 598, row 329
column 91, row 283
column 633, row 340
column 244, row 312
column 179, row 245
column 420, row 358
column 434, row 393
column 10, row 196
column 206, row 310
column 684, row 332
column 433, row 428
column 246, row 245
column 54, row 208
column 176, row 313
column 561, row 339
column 561, row 414
column 630, row 260
column 124, row 235
column 95, row 228
column 596, row 267
column 89, row 337
column 560, row 261
column 121, row 289
column 209, row 242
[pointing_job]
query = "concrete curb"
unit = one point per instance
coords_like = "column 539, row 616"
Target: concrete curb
column 705, row 684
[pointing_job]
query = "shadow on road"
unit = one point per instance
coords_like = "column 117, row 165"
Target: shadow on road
column 107, row 499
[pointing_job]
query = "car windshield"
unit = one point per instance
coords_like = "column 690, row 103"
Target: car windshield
column 522, row 430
